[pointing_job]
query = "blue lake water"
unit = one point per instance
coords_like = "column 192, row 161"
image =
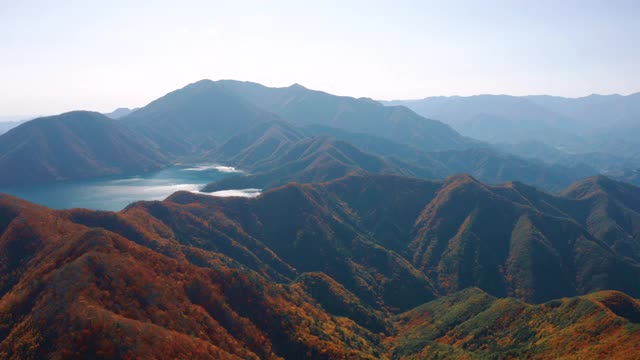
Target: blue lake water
column 115, row 193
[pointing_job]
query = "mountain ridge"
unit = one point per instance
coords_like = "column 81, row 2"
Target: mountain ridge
column 326, row 276
column 73, row 145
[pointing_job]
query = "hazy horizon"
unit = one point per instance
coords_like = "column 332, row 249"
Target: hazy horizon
column 96, row 56
column 20, row 117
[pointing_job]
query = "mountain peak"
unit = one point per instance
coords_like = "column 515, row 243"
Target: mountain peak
column 297, row 86
column 590, row 186
column 460, row 179
column 120, row 112
column 70, row 116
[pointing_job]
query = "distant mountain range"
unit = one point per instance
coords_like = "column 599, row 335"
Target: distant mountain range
column 9, row 122
column 605, row 124
column 207, row 113
column 120, row 112
column 361, row 267
column 276, row 153
column 301, row 106
column 8, row 125
column 494, row 118
column 276, row 134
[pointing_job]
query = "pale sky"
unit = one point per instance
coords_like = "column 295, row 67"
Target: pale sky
column 59, row 55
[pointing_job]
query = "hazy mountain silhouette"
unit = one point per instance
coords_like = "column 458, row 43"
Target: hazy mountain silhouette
column 496, row 118
column 276, row 153
column 120, row 112
column 595, row 123
column 8, row 125
column 262, row 130
column 73, row 145
column 195, row 118
column 594, row 111
column 301, row 106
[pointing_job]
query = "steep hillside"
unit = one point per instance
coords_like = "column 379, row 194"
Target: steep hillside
column 495, row 167
column 611, row 211
column 509, row 240
column 604, row 124
column 73, row 145
column 473, row 325
column 301, row 106
column 71, row 291
column 276, row 153
column 500, row 239
column 197, row 117
column 269, row 131
column 317, row 271
column 311, row 233
column 496, row 118
column 486, row 163
column 315, row 159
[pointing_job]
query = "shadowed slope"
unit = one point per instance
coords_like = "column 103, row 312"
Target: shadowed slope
column 510, row 240
column 310, row 160
column 611, row 211
column 312, row 232
column 302, row 106
column 276, row 153
column 197, row 117
column 73, row 145
column 70, row 291
column 310, row 271
column 500, row 240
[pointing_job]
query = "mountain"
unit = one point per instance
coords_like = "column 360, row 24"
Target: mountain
column 238, row 124
column 73, row 291
column 608, row 122
column 495, row 167
column 205, row 114
column 471, row 324
column 631, row 176
column 73, row 145
column 593, row 124
column 276, row 153
column 301, row 106
column 311, row 233
column 195, row 118
column 119, row 112
column 496, row 118
column 611, row 211
column 491, row 164
column 620, row 140
column 594, row 111
column 362, row 267
column 509, row 240
column 8, row 125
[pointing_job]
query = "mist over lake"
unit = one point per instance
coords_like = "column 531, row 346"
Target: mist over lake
column 115, row 193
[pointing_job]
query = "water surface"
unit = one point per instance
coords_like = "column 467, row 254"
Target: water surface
column 115, row 193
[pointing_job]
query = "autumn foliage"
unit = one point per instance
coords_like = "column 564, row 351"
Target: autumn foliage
column 361, row 267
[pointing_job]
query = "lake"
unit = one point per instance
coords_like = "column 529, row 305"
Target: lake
column 115, row 193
